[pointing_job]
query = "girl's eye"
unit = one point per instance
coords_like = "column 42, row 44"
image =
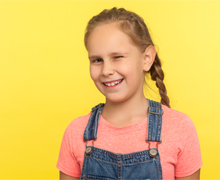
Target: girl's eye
column 118, row 56
column 97, row 60
column 100, row 60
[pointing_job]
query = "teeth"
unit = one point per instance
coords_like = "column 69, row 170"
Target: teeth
column 112, row 84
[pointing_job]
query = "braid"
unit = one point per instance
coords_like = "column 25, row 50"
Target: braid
column 157, row 75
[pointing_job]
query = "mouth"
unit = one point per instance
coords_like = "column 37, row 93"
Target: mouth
column 113, row 83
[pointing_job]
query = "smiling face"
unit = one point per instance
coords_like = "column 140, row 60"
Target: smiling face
column 116, row 65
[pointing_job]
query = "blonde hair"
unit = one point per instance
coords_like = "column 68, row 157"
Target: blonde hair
column 132, row 25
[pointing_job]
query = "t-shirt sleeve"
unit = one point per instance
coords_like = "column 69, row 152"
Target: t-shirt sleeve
column 189, row 158
column 67, row 162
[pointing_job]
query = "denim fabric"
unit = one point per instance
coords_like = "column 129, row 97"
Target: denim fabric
column 105, row 165
column 154, row 121
column 90, row 132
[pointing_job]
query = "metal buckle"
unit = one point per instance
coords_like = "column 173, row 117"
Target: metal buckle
column 154, row 112
column 89, row 149
column 92, row 143
column 153, row 152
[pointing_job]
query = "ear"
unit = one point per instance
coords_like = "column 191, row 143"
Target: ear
column 149, row 57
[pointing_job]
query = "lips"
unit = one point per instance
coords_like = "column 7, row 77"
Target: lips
column 112, row 83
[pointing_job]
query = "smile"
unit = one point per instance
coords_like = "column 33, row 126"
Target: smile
column 113, row 83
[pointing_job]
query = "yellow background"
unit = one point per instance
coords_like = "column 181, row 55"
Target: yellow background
column 45, row 82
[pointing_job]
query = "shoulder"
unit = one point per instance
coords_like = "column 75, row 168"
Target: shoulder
column 176, row 124
column 77, row 126
column 177, row 118
column 172, row 113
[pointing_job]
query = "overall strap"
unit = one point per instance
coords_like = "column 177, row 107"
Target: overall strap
column 155, row 112
column 90, row 132
column 154, row 122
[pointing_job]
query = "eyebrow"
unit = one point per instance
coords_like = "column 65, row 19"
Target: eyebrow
column 113, row 53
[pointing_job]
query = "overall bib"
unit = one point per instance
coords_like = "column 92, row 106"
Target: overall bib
column 106, row 165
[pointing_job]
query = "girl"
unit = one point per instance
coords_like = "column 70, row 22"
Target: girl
column 128, row 137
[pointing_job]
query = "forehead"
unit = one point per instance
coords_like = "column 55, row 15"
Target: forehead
column 108, row 38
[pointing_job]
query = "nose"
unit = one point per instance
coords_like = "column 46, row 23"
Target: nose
column 107, row 69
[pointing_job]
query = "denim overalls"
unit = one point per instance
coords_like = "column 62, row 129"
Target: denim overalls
column 106, row 165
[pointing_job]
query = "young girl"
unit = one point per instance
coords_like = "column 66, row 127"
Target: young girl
column 128, row 137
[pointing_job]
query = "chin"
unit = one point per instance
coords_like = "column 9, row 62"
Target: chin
column 115, row 99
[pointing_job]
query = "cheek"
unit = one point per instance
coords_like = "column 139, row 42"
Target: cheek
column 128, row 70
column 133, row 73
column 94, row 73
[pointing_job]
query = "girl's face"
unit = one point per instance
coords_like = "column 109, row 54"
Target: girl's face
column 116, row 65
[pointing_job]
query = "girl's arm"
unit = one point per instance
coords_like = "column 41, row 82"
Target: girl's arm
column 195, row 176
column 66, row 177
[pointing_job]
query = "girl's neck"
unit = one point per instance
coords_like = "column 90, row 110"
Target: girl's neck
column 125, row 113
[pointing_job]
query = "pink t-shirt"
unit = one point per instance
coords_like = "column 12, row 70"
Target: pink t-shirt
column 179, row 151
